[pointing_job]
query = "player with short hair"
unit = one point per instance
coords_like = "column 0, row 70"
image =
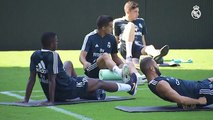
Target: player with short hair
column 131, row 32
column 58, row 84
column 182, row 92
column 99, row 50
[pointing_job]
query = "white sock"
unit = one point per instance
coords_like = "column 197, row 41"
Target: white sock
column 123, row 87
column 128, row 49
column 117, row 70
column 138, row 75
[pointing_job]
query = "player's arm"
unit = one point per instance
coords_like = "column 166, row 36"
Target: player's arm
column 83, row 60
column 143, row 40
column 52, row 84
column 117, row 39
column 116, row 59
column 84, row 50
column 116, row 31
column 30, row 85
column 165, row 90
column 144, row 34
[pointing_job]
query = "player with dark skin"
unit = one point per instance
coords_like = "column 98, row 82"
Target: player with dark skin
column 58, row 84
column 182, row 92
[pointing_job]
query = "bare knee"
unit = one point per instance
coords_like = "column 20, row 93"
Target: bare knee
column 68, row 67
column 130, row 25
column 129, row 32
column 104, row 57
column 68, row 64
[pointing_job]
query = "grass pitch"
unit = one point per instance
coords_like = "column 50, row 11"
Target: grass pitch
column 14, row 73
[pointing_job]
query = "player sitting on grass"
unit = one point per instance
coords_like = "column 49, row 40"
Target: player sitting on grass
column 131, row 32
column 58, row 85
column 182, row 92
column 99, row 50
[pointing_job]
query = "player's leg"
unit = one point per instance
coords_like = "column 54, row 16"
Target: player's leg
column 130, row 87
column 129, row 36
column 156, row 54
column 68, row 67
column 105, row 61
column 150, row 50
column 133, row 70
column 122, row 49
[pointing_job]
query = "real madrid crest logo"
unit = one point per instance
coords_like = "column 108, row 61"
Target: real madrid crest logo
column 196, row 13
column 109, row 45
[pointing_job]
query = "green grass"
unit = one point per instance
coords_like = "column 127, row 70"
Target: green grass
column 14, row 72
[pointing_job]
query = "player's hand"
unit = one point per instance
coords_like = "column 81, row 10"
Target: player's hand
column 86, row 65
column 187, row 107
column 202, row 100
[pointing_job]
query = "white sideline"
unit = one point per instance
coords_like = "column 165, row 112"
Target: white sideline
column 78, row 116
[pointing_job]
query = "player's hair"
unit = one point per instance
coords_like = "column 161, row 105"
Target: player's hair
column 145, row 63
column 103, row 21
column 130, row 5
column 47, row 38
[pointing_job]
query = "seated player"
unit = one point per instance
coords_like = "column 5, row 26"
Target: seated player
column 59, row 85
column 182, row 92
column 99, row 50
column 131, row 32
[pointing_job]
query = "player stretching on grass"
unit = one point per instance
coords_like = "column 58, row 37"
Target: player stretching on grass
column 131, row 31
column 99, row 50
column 183, row 92
column 57, row 85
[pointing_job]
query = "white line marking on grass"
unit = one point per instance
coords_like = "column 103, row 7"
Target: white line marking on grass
column 8, row 93
column 23, row 91
column 81, row 117
column 61, row 110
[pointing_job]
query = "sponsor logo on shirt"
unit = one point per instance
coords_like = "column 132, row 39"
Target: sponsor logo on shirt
column 96, row 46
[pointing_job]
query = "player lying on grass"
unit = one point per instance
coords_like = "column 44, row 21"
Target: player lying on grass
column 182, row 92
column 58, row 85
column 131, row 32
column 99, row 50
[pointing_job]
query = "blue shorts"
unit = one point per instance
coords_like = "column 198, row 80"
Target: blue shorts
column 78, row 88
column 93, row 73
column 206, row 90
column 136, row 50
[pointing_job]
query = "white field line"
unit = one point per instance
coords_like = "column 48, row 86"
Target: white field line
column 23, row 91
column 78, row 116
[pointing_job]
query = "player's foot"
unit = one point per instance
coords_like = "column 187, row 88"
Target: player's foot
column 125, row 73
column 133, row 83
column 129, row 59
column 163, row 52
column 141, row 79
